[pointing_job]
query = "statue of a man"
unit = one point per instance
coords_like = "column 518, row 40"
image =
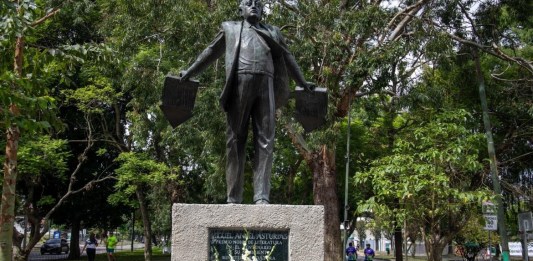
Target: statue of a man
column 258, row 64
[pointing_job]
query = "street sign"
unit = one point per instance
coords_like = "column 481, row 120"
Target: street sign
column 491, row 222
column 488, row 208
column 525, row 222
column 515, row 249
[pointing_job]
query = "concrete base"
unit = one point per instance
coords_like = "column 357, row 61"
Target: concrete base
column 191, row 224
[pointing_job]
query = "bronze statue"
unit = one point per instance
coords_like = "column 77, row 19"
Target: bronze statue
column 258, row 65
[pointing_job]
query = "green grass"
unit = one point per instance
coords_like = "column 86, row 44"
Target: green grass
column 136, row 255
column 391, row 257
column 381, row 255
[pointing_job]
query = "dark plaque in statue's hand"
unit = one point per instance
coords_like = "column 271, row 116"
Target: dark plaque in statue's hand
column 178, row 99
column 311, row 107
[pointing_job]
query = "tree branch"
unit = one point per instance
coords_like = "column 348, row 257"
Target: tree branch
column 288, row 6
column 46, row 17
column 495, row 51
column 472, row 22
column 298, row 141
column 411, row 12
column 403, row 12
column 70, row 191
column 516, row 191
column 83, row 156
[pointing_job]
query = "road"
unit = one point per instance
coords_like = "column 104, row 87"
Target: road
column 36, row 254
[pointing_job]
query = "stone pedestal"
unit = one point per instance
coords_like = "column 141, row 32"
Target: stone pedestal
column 197, row 228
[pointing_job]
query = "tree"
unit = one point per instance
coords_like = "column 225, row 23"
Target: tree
column 361, row 227
column 21, row 100
column 41, row 64
column 343, row 45
column 134, row 176
column 42, row 165
column 473, row 239
column 493, row 39
column 435, row 171
column 354, row 49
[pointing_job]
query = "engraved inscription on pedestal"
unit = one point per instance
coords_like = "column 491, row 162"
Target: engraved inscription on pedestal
column 260, row 243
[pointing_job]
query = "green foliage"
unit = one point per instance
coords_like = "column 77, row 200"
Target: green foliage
column 160, row 210
column 137, row 169
column 473, row 232
column 43, row 155
column 412, row 141
column 45, row 63
column 431, row 172
column 34, row 108
column 46, row 201
column 159, row 38
column 95, row 97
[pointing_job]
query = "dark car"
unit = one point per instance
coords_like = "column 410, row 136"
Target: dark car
column 55, row 246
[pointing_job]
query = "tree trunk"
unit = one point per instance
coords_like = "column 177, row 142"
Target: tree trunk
column 7, row 212
column 74, row 253
column 325, row 194
column 434, row 250
column 24, row 254
column 35, row 235
column 146, row 224
column 435, row 245
column 7, row 215
column 398, row 243
column 18, row 254
column 7, row 208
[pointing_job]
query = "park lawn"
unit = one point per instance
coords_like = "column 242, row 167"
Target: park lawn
column 390, row 257
column 136, row 255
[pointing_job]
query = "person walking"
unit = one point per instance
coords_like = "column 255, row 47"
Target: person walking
column 110, row 247
column 351, row 252
column 90, row 244
column 369, row 253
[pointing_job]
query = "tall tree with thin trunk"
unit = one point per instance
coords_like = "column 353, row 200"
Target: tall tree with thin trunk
column 28, row 108
column 16, row 112
column 135, row 174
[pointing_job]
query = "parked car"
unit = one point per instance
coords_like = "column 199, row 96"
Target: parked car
column 55, row 246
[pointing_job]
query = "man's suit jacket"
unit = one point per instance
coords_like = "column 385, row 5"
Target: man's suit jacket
column 228, row 41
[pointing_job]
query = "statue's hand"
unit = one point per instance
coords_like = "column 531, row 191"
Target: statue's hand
column 309, row 86
column 184, row 75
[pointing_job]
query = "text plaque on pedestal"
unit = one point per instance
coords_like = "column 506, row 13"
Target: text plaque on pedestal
column 260, row 243
column 193, row 224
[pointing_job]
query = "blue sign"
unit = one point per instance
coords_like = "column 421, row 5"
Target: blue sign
column 57, row 234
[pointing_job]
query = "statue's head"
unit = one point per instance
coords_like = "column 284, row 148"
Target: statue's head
column 251, row 10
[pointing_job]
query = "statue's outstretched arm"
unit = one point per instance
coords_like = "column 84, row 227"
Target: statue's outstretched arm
column 292, row 66
column 208, row 56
